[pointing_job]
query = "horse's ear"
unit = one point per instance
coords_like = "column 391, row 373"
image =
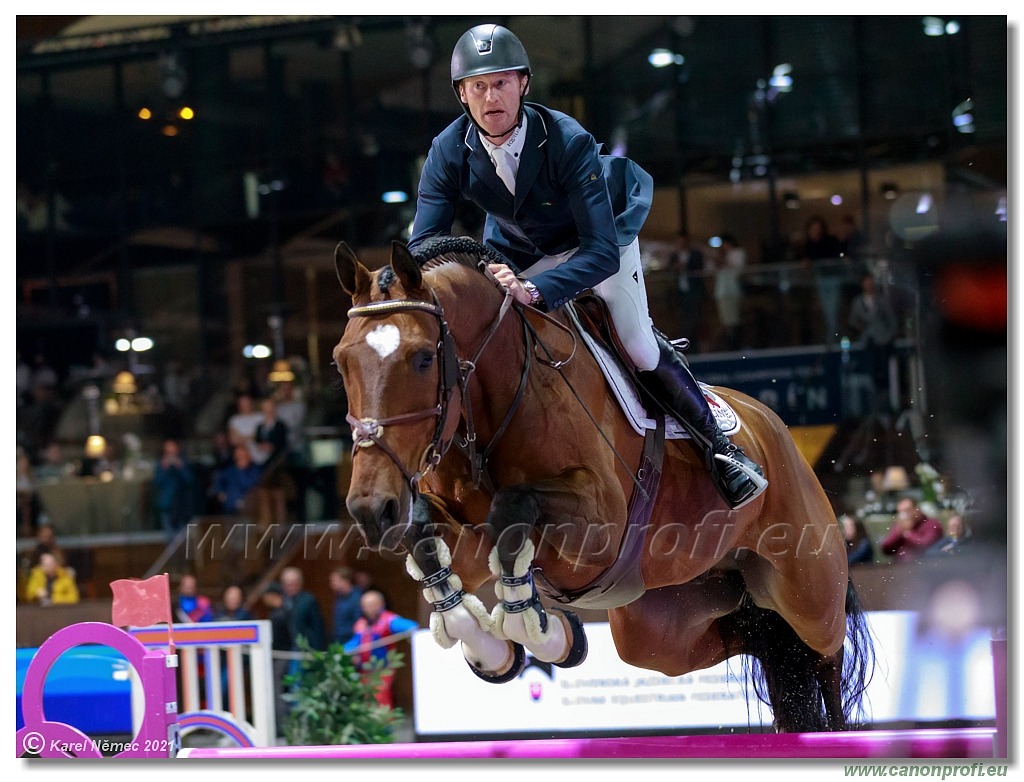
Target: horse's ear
column 353, row 276
column 406, row 267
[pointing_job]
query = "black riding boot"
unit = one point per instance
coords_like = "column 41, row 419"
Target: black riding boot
column 737, row 478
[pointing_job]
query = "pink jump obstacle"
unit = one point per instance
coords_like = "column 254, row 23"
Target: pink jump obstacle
column 962, row 743
column 159, row 734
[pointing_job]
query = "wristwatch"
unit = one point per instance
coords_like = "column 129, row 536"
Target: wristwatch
column 535, row 297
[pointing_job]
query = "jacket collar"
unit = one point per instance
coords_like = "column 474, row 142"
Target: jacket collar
column 532, row 159
column 529, row 166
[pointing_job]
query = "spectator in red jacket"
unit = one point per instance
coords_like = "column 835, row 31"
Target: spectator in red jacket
column 912, row 533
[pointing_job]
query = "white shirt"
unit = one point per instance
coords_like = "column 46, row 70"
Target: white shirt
column 513, row 147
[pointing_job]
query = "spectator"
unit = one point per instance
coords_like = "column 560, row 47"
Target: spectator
column 728, row 289
column 306, row 620
column 223, row 450
column 858, row 545
column 282, row 644
column 958, row 535
column 231, row 610
column 176, row 386
column 46, row 542
column 822, row 248
column 25, row 488
column 191, row 606
column 49, row 583
column 231, row 486
column 819, row 244
column 912, row 533
column 270, row 440
column 849, row 238
column 270, row 448
column 346, row 604
column 231, row 607
column 688, row 262
column 874, row 321
column 292, row 410
column 54, row 466
column 375, row 624
column 242, row 425
column 173, row 489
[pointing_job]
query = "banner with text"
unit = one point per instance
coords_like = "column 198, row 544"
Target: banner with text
column 918, row 677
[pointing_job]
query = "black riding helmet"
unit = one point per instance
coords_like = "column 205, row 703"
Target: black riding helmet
column 488, row 48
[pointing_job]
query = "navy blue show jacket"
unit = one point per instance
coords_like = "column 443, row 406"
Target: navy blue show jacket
column 568, row 195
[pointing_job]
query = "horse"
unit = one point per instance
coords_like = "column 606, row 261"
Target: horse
column 485, row 446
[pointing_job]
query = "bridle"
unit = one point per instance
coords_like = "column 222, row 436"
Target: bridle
column 453, row 374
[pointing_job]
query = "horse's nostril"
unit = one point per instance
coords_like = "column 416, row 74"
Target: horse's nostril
column 389, row 513
column 374, row 515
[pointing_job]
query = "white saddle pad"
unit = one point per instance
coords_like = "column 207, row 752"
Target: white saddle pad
column 629, row 400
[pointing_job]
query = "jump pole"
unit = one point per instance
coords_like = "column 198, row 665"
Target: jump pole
column 937, row 743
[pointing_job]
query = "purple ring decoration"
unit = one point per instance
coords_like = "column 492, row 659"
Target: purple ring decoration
column 158, row 734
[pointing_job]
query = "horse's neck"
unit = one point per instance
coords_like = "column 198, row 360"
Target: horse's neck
column 472, row 306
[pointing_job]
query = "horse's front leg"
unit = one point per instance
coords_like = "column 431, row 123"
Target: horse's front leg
column 516, row 515
column 457, row 615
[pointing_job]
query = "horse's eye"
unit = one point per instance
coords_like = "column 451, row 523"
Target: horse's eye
column 422, row 360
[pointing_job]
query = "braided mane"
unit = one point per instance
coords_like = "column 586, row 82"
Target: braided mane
column 462, row 250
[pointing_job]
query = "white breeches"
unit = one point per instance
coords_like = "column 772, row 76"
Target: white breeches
column 626, row 296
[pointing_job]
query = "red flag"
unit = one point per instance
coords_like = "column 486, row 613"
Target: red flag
column 141, row 603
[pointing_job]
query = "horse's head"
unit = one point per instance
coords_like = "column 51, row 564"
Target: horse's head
column 400, row 371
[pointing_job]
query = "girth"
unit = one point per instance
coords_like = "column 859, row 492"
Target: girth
column 623, row 582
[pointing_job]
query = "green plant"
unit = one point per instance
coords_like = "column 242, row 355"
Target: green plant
column 333, row 699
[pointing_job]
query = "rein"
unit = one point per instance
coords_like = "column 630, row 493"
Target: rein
column 455, row 373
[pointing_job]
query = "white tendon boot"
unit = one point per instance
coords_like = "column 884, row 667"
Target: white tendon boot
column 520, row 617
column 461, row 617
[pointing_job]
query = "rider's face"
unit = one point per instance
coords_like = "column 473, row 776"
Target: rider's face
column 493, row 100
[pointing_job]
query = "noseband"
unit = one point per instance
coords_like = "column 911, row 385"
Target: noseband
column 453, row 374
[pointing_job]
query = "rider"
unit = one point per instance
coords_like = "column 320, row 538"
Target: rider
column 567, row 218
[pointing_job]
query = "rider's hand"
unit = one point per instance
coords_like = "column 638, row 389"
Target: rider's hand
column 508, row 279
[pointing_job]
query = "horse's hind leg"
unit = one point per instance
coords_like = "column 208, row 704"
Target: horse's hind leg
column 830, row 680
column 795, row 625
column 457, row 616
column 785, row 670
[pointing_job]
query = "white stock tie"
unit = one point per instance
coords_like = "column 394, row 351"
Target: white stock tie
column 503, row 165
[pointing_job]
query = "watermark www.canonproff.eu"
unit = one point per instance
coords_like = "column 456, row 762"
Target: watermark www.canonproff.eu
column 709, row 539
column 931, row 770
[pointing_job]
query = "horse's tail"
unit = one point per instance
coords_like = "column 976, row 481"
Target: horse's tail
column 858, row 659
column 786, row 673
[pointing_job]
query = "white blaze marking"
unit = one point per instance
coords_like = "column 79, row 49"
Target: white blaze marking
column 384, row 339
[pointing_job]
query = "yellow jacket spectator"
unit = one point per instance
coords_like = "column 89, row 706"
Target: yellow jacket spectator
column 51, row 584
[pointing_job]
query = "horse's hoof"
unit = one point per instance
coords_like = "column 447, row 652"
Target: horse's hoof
column 518, row 664
column 578, row 650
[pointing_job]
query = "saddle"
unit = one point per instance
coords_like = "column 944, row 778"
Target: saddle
column 593, row 322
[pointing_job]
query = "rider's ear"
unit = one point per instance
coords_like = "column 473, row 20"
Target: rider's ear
column 406, row 267
column 353, row 276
